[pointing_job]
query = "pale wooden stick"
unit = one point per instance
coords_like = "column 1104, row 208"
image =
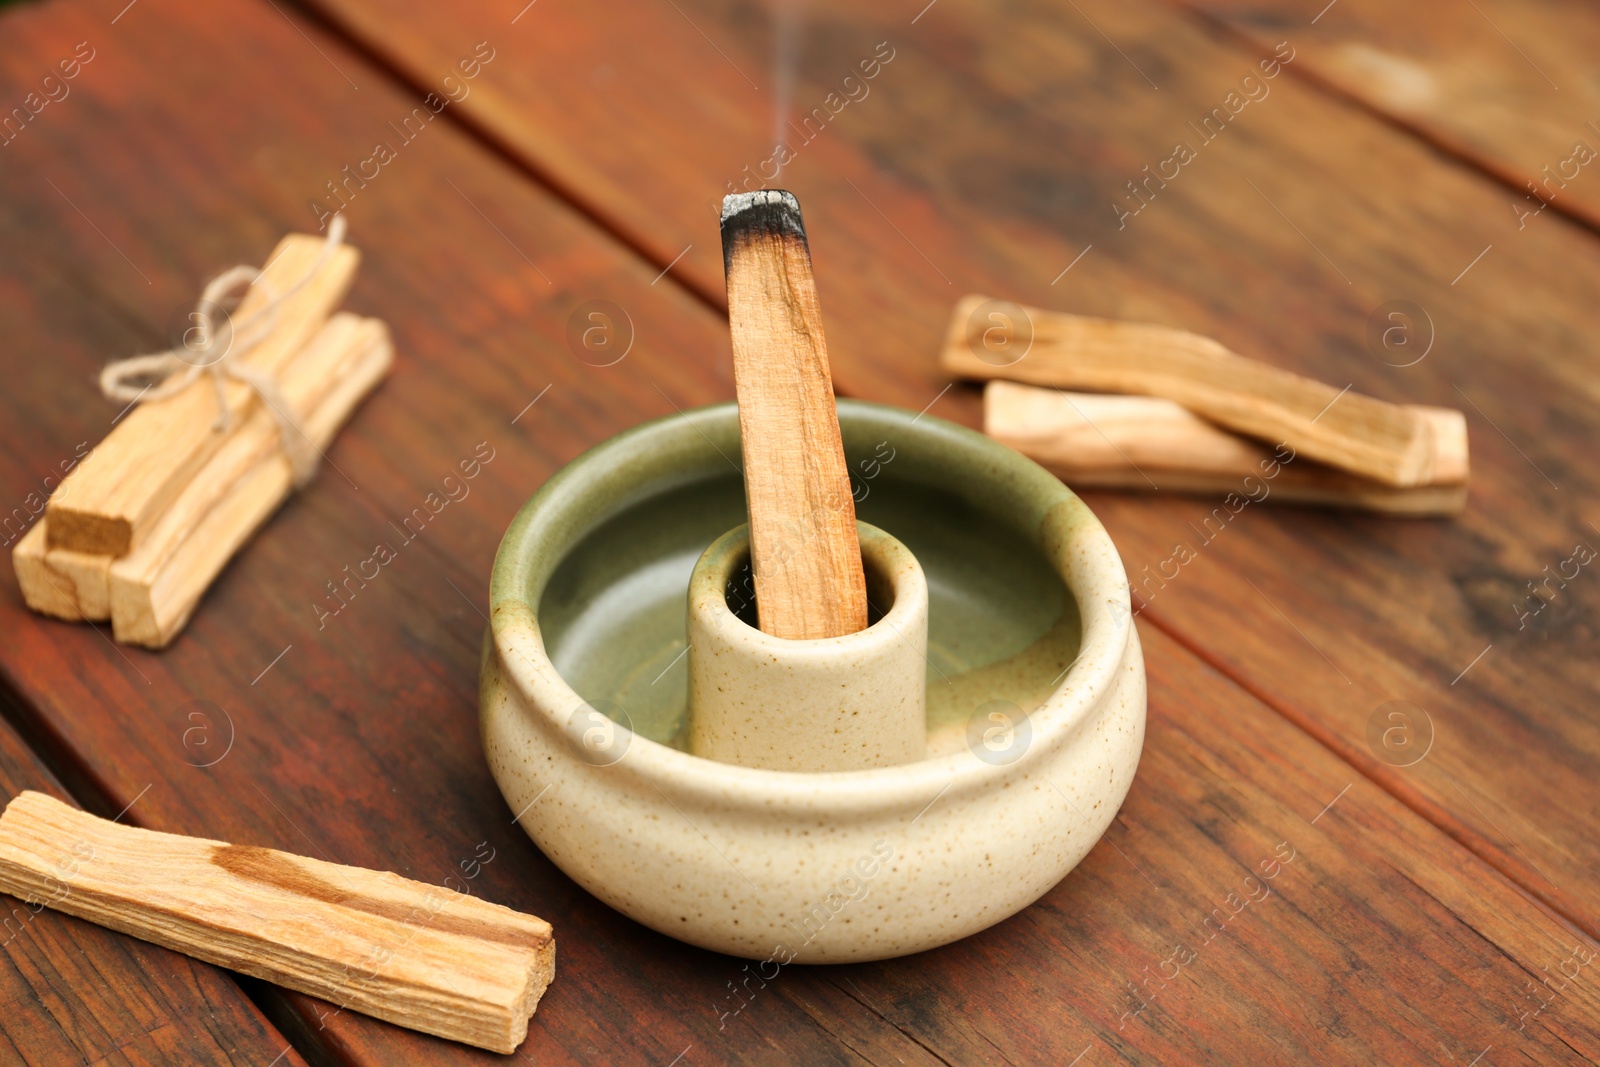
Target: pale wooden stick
column 1388, row 443
column 112, row 499
column 1144, row 443
column 155, row 589
column 60, row 582
column 803, row 545
column 413, row 954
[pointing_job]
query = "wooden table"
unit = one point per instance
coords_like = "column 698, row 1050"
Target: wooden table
column 993, row 149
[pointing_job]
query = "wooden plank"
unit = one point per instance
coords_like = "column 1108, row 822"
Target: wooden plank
column 1502, row 84
column 352, row 722
column 1010, row 157
column 1247, row 906
column 76, row 993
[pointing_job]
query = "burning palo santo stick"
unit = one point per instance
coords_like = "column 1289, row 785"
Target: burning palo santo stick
column 1144, row 443
column 803, row 545
column 417, row 955
column 1389, row 443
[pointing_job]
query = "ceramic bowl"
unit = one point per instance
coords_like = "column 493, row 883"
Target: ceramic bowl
column 1035, row 698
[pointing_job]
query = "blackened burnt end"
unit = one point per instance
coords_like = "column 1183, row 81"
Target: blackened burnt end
column 766, row 212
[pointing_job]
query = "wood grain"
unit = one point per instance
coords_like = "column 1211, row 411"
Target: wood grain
column 60, row 582
column 78, row 993
column 359, row 739
column 1180, row 948
column 1284, row 238
column 1501, row 85
column 804, row 551
column 1144, row 443
column 119, row 492
column 414, row 954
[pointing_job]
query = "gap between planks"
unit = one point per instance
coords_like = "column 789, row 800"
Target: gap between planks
column 567, row 194
column 1458, row 154
column 1440, row 818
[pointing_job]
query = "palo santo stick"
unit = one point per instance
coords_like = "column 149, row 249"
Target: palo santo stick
column 78, row 585
column 1092, row 440
column 307, row 380
column 803, row 545
column 121, row 489
column 155, row 589
column 417, row 955
column 60, row 582
column 1386, row 442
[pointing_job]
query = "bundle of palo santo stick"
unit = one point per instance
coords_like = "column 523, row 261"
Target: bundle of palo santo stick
column 138, row 531
column 1172, row 411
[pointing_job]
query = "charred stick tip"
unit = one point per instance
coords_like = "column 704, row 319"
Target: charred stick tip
column 766, row 212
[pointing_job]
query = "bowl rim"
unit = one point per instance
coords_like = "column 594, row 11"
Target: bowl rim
column 1102, row 596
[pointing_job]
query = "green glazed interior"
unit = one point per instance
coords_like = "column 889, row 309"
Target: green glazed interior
column 1002, row 624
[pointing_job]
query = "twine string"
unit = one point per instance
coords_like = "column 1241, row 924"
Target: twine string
column 216, row 352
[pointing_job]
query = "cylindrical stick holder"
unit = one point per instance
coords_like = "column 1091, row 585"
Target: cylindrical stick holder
column 836, row 704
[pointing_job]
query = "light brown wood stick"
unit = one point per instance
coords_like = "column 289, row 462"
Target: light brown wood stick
column 155, row 589
column 1143, row 443
column 150, row 593
column 803, row 545
column 417, row 955
column 1388, row 443
column 110, row 501
column 60, row 582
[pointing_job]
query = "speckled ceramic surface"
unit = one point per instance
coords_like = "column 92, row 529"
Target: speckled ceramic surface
column 1035, row 698
column 838, row 704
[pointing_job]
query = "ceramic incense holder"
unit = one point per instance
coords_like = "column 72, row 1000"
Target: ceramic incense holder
column 1034, row 704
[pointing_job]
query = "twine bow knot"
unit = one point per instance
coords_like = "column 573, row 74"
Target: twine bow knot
column 215, row 349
